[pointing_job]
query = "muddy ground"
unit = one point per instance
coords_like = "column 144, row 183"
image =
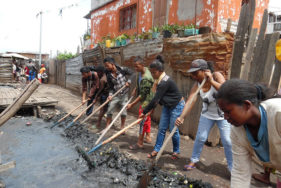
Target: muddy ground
column 36, row 147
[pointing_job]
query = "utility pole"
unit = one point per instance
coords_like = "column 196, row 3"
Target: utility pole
column 40, row 40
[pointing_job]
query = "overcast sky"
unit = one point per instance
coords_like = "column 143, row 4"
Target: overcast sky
column 19, row 27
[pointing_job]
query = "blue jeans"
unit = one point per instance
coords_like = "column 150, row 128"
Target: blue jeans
column 204, row 128
column 167, row 121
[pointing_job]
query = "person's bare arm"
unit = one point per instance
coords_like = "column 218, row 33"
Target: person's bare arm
column 187, row 107
column 216, row 79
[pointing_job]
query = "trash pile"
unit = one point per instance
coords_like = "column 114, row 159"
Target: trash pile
column 111, row 167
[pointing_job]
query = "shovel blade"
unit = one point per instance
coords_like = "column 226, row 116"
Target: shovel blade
column 55, row 124
column 69, row 125
column 85, row 156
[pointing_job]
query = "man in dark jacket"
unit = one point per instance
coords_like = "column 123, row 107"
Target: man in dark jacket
column 116, row 78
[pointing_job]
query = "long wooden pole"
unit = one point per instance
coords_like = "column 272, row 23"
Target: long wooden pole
column 12, row 109
column 113, row 121
column 107, row 101
column 176, row 127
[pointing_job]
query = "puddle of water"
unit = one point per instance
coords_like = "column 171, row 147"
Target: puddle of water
column 47, row 158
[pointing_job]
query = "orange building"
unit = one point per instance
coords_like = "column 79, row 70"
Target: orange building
column 115, row 17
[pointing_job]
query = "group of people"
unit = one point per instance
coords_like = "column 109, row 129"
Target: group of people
column 248, row 115
column 29, row 72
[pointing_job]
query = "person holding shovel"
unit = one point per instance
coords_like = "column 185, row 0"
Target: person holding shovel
column 168, row 95
column 255, row 113
column 116, row 78
column 102, row 92
column 90, row 83
column 210, row 114
column 144, row 95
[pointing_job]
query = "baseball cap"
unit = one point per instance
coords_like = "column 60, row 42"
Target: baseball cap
column 198, row 64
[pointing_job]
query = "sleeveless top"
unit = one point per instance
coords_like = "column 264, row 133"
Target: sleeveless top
column 210, row 108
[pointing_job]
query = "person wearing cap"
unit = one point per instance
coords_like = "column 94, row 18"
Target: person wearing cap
column 210, row 114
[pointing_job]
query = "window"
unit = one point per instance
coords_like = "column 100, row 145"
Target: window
column 277, row 27
column 128, row 17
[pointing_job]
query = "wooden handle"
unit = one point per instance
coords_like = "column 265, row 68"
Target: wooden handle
column 122, row 131
column 107, row 101
column 175, row 127
column 113, row 121
column 70, row 112
column 83, row 111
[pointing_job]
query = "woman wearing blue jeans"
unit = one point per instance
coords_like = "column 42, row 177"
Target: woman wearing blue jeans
column 210, row 114
column 168, row 95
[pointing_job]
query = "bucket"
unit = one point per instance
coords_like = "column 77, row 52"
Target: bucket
column 108, row 43
column 155, row 35
column 167, row 34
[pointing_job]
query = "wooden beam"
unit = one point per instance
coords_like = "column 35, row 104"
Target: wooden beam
column 257, row 51
column 276, row 75
column 12, row 109
column 239, row 45
column 270, row 58
column 7, row 166
column 249, row 54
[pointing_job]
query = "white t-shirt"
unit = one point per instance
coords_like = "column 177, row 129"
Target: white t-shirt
column 210, row 108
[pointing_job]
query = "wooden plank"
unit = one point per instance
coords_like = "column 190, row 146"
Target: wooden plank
column 269, row 62
column 16, row 105
column 249, row 54
column 260, row 64
column 7, row 166
column 276, row 75
column 229, row 23
column 257, row 51
column 239, row 44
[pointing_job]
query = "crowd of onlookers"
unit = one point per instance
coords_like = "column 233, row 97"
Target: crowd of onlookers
column 28, row 72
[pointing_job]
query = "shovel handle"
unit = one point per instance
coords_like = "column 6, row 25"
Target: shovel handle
column 70, row 113
column 122, row 131
column 83, row 111
column 175, row 127
column 107, row 101
column 113, row 121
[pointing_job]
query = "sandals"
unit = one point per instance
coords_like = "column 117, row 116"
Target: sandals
column 152, row 154
column 175, row 156
column 189, row 167
column 135, row 146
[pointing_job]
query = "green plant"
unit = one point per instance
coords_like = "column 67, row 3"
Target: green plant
column 166, row 27
column 155, row 29
column 190, row 26
column 65, row 56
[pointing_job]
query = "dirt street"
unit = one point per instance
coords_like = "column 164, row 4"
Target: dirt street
column 212, row 167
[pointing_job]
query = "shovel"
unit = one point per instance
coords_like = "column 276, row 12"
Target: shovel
column 145, row 179
column 85, row 154
column 113, row 121
column 72, row 123
column 107, row 101
column 60, row 120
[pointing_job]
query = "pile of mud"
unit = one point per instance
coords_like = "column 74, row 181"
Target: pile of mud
column 113, row 168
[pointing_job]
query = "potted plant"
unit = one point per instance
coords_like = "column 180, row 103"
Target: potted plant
column 189, row 30
column 180, row 30
column 167, row 31
column 155, row 32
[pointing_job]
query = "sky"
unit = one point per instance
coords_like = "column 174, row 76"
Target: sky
column 20, row 28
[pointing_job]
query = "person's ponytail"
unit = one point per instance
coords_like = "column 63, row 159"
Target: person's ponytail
column 158, row 64
column 210, row 66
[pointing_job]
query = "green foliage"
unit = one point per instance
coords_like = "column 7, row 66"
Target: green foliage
column 65, row 56
column 155, row 29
